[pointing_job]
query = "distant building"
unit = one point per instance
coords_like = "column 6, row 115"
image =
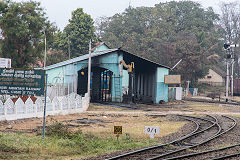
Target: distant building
column 110, row 81
column 214, row 78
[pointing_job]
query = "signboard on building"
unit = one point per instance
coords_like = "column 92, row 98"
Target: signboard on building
column 5, row 63
column 21, row 82
column 172, row 79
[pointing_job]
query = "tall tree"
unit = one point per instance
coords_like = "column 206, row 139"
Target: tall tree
column 167, row 33
column 230, row 22
column 22, row 25
column 76, row 35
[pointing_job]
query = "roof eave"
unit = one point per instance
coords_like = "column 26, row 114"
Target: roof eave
column 146, row 59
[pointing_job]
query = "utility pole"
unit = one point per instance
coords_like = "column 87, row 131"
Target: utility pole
column 230, row 55
column 45, row 50
column 89, row 70
column 232, row 78
column 227, row 79
column 45, row 96
column 69, row 52
column 187, row 89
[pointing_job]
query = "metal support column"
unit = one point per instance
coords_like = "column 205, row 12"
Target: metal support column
column 227, row 82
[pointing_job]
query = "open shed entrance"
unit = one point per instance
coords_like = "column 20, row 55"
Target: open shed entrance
column 100, row 84
column 143, row 80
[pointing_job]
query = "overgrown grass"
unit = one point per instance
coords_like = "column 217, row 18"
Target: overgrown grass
column 101, row 108
column 206, row 107
column 204, row 88
column 61, row 143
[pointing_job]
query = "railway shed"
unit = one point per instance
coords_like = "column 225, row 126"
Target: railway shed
column 116, row 76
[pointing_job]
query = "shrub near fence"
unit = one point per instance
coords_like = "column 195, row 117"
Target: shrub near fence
column 63, row 105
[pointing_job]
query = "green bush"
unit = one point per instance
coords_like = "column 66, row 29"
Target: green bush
column 60, row 142
column 57, row 129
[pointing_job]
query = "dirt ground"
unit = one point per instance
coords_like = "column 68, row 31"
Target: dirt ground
column 100, row 119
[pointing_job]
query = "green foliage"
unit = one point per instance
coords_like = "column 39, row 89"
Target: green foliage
column 57, row 129
column 167, row 33
column 55, row 56
column 22, row 26
column 230, row 15
column 60, row 143
column 206, row 88
column 76, row 34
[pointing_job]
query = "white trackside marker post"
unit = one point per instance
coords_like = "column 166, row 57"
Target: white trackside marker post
column 152, row 131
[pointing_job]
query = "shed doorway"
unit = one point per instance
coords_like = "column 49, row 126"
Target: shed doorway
column 100, row 84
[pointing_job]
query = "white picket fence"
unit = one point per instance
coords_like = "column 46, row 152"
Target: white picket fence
column 68, row 104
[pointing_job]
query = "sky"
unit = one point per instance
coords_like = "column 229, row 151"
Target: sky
column 59, row 11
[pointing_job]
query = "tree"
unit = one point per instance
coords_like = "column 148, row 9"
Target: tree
column 167, row 33
column 230, row 22
column 76, row 34
column 22, row 25
column 55, row 56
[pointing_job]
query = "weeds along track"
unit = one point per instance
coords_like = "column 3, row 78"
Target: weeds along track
column 206, row 128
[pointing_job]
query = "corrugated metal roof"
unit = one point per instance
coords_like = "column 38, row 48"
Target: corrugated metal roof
column 94, row 54
column 80, row 58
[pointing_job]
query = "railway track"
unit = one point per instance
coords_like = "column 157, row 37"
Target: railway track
column 197, row 124
column 206, row 129
column 197, row 154
column 234, row 155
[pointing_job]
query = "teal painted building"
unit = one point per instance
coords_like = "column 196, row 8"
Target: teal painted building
column 111, row 81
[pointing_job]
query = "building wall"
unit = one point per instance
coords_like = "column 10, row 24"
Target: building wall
column 125, row 81
column 213, row 77
column 55, row 75
column 161, row 88
column 67, row 74
column 101, row 48
column 116, row 79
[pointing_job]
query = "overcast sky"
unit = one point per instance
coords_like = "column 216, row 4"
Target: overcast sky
column 59, row 11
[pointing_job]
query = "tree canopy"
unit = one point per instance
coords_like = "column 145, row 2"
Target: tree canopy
column 22, row 30
column 167, row 33
column 164, row 33
column 76, row 34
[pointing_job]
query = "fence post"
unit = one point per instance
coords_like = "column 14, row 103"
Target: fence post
column 44, row 110
column 5, row 109
column 25, row 107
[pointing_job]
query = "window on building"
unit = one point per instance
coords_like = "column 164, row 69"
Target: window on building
column 209, row 77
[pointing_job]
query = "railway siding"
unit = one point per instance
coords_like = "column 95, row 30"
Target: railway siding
column 183, row 147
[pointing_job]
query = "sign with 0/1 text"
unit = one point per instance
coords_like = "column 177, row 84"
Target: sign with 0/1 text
column 152, row 131
column 117, row 129
column 21, row 82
